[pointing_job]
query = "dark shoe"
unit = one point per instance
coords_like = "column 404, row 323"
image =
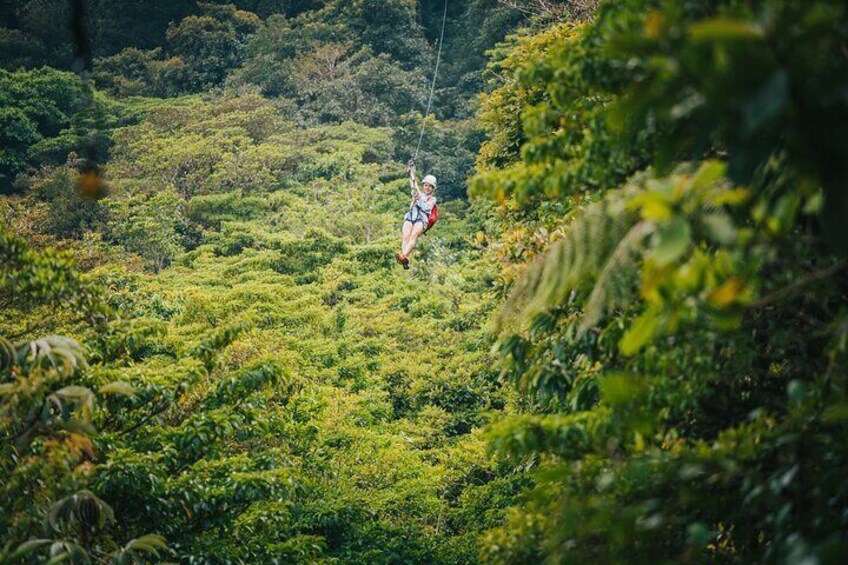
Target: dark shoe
column 405, row 263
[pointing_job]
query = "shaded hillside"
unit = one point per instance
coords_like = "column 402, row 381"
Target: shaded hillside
column 298, row 395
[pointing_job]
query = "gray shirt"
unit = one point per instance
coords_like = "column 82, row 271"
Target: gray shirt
column 420, row 209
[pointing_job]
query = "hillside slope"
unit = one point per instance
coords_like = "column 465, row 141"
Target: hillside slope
column 299, row 396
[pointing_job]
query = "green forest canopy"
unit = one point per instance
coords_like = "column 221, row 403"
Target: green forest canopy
column 624, row 342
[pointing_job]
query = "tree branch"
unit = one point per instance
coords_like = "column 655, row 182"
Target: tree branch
column 164, row 405
column 788, row 290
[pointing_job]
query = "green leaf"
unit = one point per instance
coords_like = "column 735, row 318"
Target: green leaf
column 672, row 240
column 720, row 228
column 814, row 204
column 796, row 391
column 639, row 333
column 73, row 392
column 620, row 388
column 118, row 387
column 836, row 413
column 77, row 426
column 709, row 173
column 58, row 511
column 652, row 205
column 732, row 197
column 698, row 534
column 724, row 29
column 150, row 543
column 28, row 547
column 64, row 556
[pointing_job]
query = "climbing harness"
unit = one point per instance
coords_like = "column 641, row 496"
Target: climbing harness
column 433, row 216
column 433, row 84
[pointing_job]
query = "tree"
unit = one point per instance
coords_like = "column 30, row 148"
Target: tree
column 69, row 214
column 34, row 105
column 211, row 44
column 49, row 114
column 662, row 338
column 46, row 424
column 147, row 225
column 20, row 49
column 132, row 72
column 556, row 10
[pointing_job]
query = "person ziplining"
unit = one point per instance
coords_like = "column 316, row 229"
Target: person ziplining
column 423, row 212
column 422, row 215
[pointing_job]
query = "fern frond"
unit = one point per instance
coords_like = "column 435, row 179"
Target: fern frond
column 598, row 244
column 604, row 241
column 613, row 287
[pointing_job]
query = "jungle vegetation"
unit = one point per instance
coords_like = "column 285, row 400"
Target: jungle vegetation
column 624, row 342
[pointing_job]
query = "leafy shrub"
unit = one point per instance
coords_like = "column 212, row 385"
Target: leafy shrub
column 147, row 226
column 650, row 332
column 303, row 258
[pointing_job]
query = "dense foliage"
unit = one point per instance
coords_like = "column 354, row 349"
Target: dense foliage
column 670, row 185
column 629, row 345
column 321, row 63
column 294, row 395
column 247, row 376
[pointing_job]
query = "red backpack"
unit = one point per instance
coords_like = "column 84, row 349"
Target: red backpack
column 433, row 217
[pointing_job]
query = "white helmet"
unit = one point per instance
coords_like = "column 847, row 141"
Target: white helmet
column 429, row 179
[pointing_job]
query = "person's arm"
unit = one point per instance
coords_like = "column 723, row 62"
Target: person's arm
column 413, row 183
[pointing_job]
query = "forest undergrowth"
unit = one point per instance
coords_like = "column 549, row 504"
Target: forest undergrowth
column 296, row 395
column 625, row 341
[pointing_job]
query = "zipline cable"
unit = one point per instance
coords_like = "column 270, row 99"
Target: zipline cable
column 433, row 85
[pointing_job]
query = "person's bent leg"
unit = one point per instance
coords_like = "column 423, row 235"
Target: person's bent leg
column 407, row 231
column 417, row 230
